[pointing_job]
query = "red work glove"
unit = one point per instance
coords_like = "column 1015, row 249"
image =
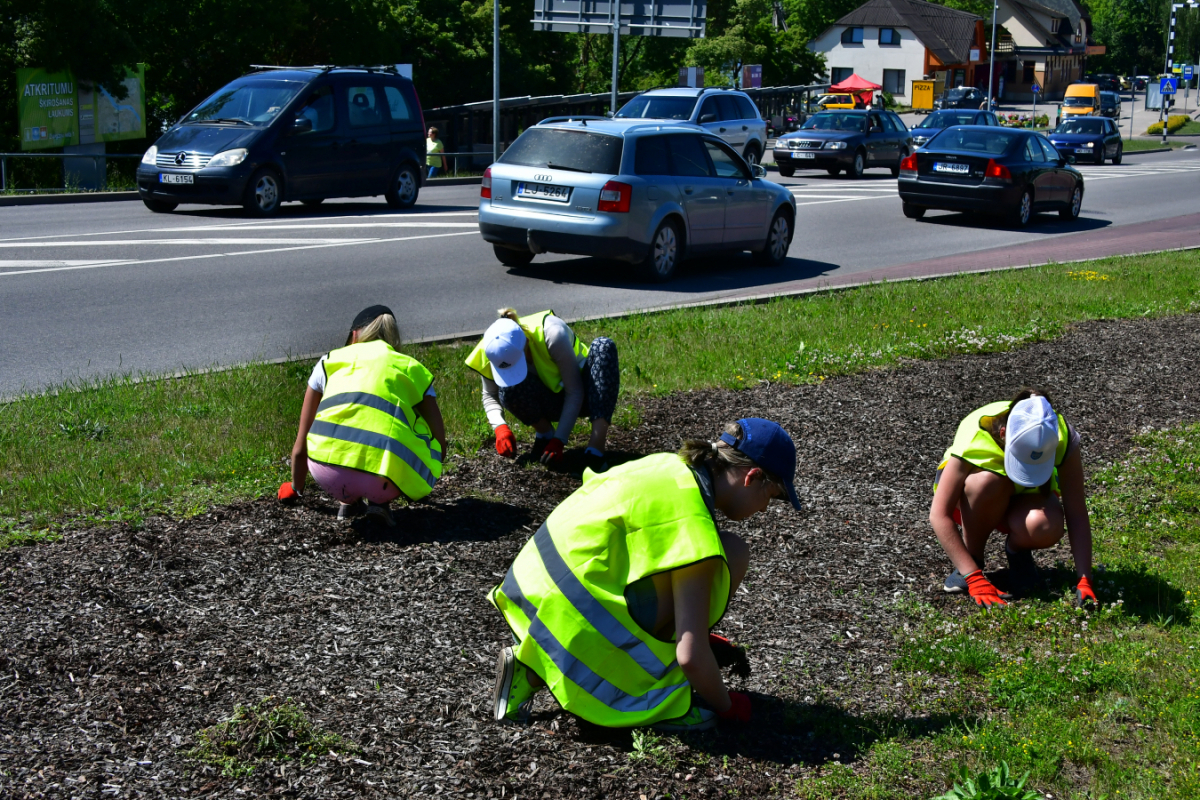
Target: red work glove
column 739, row 711
column 506, row 443
column 1084, row 593
column 983, row 592
column 553, row 454
column 729, row 654
column 287, row 494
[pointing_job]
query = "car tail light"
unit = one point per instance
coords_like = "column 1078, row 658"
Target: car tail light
column 909, row 163
column 485, row 185
column 995, row 170
column 615, row 196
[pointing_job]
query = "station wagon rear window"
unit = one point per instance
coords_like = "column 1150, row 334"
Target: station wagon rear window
column 578, row 151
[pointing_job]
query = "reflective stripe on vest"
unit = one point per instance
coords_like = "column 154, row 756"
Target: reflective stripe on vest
column 534, row 326
column 974, row 443
column 366, row 420
column 564, row 598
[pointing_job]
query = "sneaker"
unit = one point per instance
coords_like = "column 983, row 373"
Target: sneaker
column 381, row 513
column 696, row 719
column 595, row 463
column 1023, row 573
column 512, row 699
column 955, row 583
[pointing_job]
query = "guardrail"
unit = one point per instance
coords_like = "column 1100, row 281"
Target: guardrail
column 4, row 157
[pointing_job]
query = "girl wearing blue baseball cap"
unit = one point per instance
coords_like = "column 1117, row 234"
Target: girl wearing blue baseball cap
column 1014, row 466
column 611, row 602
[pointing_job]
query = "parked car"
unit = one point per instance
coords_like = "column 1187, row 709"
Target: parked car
column 1110, row 105
column 845, row 140
column 292, row 134
column 1094, row 139
column 961, row 97
column 970, row 168
column 944, row 119
column 1106, row 82
column 1139, row 82
column 1126, row 83
column 727, row 114
column 650, row 195
column 831, row 101
column 1081, row 100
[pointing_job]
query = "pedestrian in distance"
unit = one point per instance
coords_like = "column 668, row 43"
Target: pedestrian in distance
column 612, row 601
column 370, row 426
column 1014, row 466
column 538, row 370
column 433, row 153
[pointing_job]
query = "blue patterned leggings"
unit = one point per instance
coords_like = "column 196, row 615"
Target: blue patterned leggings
column 531, row 400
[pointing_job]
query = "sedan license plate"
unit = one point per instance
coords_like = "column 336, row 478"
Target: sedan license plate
column 544, row 191
column 1087, row 150
column 169, row 177
column 804, row 155
column 953, row 169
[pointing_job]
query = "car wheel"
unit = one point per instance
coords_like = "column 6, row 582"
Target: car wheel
column 913, row 212
column 1024, row 210
column 860, row 163
column 660, row 263
column 751, row 155
column 833, row 171
column 264, row 193
column 1100, row 155
column 512, row 258
column 159, row 206
column 787, row 172
column 1120, row 154
column 1072, row 211
column 896, row 169
column 313, row 201
column 779, row 238
column 404, row 187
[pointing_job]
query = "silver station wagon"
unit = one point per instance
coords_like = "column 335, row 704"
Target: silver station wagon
column 647, row 194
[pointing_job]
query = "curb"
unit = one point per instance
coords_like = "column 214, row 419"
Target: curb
column 60, row 199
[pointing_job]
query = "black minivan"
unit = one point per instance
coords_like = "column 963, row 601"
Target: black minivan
column 302, row 133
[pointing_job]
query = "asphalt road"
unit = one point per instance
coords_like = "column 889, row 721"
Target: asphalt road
column 96, row 289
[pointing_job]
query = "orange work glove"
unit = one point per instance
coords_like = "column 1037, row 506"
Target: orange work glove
column 1084, row 593
column 506, row 443
column 983, row 592
column 287, row 494
column 739, row 711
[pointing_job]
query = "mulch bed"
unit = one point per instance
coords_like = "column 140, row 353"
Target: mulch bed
column 120, row 643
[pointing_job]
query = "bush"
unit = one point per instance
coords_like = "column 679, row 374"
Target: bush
column 997, row 784
column 1174, row 123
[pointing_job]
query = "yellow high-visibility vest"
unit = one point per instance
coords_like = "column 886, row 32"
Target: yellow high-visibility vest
column 543, row 364
column 974, row 444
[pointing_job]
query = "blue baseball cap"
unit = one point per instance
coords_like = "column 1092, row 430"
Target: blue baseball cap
column 769, row 446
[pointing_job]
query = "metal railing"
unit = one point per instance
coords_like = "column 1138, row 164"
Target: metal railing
column 4, row 157
column 454, row 156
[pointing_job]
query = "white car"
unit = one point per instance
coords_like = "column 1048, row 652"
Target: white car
column 727, row 114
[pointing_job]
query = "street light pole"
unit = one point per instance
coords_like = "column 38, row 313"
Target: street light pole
column 992, row 65
column 495, row 81
column 616, row 29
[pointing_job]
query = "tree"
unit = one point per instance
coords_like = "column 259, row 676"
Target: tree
column 743, row 32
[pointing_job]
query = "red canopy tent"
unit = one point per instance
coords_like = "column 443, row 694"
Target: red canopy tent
column 856, row 85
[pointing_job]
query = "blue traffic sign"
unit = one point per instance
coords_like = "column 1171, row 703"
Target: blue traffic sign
column 1035, row 88
column 1167, row 86
column 1187, row 72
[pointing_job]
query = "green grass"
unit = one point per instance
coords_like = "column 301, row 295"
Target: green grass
column 121, row 450
column 1094, row 704
column 1135, row 145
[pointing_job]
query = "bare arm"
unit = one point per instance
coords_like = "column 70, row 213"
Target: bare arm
column 558, row 343
column 308, row 412
column 945, row 500
column 691, row 588
column 429, row 411
column 1079, row 526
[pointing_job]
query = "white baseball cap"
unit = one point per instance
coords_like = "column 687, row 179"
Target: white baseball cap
column 504, row 345
column 1030, row 441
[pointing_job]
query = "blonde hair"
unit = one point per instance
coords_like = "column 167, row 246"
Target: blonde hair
column 511, row 313
column 720, row 457
column 383, row 328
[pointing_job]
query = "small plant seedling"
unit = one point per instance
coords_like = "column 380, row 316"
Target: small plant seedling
column 996, row 784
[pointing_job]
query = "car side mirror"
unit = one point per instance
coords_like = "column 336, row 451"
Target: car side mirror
column 706, row 118
column 301, row 125
column 758, row 170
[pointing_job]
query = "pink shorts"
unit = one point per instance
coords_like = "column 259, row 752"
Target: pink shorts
column 348, row 485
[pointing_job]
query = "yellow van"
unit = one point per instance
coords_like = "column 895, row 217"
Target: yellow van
column 1082, row 99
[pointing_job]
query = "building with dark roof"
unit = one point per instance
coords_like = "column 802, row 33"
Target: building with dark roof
column 1042, row 43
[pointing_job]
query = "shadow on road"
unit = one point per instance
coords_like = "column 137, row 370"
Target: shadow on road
column 291, row 211
column 1045, row 222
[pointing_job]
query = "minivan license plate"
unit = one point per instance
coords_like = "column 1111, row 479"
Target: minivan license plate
column 171, row 177
column 544, row 191
column 955, row 169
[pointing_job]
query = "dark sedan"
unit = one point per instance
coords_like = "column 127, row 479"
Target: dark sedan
column 845, row 140
column 1110, row 105
column 961, row 97
column 1088, row 139
column 935, row 122
column 971, row 168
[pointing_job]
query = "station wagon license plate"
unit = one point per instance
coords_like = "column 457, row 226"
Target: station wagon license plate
column 170, row 177
column 953, row 169
column 544, row 191
column 804, row 155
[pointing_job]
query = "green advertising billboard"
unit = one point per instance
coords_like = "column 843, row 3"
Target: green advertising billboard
column 55, row 110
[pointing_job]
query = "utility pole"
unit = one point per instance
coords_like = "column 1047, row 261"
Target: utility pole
column 1162, row 111
column 616, row 29
column 496, row 81
column 992, row 64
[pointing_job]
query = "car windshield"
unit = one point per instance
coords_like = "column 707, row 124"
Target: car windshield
column 957, row 93
column 944, row 119
column 249, row 102
column 649, row 106
column 1087, row 126
column 576, row 151
column 833, row 121
column 990, row 141
column 1078, row 102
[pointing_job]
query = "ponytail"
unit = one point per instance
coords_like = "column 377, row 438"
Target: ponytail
column 719, row 456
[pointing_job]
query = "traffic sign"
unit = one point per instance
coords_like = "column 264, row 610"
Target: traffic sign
column 1035, row 88
column 1167, row 86
column 1187, row 72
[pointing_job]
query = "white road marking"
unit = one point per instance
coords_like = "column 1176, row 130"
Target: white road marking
column 349, row 243
column 124, row 242
column 848, row 200
column 31, row 264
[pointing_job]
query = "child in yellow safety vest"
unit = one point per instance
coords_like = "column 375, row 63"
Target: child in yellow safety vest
column 370, row 426
column 611, row 602
column 1014, row 466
